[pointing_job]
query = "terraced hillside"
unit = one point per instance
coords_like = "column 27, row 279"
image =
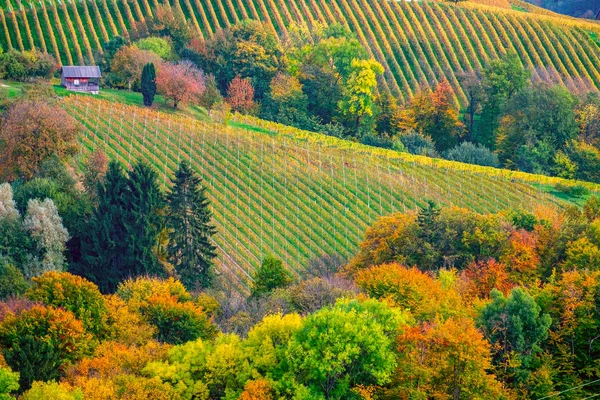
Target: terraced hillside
column 292, row 193
column 419, row 43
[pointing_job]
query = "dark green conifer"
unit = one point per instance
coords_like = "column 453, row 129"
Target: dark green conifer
column 191, row 250
column 148, row 84
column 144, row 221
column 103, row 245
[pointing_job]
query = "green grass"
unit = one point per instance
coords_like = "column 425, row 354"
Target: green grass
column 518, row 8
column 295, row 194
column 136, row 99
column 11, row 89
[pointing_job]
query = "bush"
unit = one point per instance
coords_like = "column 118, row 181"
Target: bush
column 41, row 342
column 470, row 153
column 572, row 190
column 416, row 143
column 75, row 294
column 178, row 322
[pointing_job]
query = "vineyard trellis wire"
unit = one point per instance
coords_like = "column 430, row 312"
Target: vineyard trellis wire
column 312, row 195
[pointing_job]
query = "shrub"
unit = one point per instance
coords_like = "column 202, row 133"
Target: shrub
column 75, row 294
column 177, row 322
column 470, row 153
column 41, row 342
column 416, row 143
column 572, row 190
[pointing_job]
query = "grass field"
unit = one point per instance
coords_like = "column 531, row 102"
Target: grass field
column 297, row 195
column 419, row 43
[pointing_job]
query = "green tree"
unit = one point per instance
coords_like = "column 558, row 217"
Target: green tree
column 104, row 245
column 359, row 92
column 516, row 328
column 269, row 276
column 9, row 383
column 148, row 84
column 502, row 79
column 42, row 341
column 339, row 348
column 191, row 250
column 144, row 221
column 538, row 121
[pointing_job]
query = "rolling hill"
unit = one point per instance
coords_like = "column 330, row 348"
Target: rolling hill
column 419, row 43
column 292, row 193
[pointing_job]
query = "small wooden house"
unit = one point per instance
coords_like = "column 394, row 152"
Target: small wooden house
column 81, row 78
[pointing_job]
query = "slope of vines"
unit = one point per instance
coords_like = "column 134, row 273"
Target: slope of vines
column 419, row 43
column 291, row 193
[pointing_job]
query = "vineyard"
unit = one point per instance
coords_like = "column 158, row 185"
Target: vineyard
column 419, row 43
column 294, row 194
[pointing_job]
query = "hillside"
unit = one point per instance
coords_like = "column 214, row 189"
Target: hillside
column 291, row 193
column 418, row 43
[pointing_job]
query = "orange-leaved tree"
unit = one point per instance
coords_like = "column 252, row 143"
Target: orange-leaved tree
column 32, row 131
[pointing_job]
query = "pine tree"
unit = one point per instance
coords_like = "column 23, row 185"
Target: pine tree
column 189, row 219
column 148, row 83
column 144, row 221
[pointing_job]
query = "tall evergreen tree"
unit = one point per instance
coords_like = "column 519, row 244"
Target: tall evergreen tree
column 189, row 219
column 103, row 244
column 148, row 83
column 122, row 234
column 144, row 221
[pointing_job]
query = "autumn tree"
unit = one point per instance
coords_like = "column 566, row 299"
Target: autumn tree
column 359, row 92
column 433, row 114
column 444, row 359
column 42, row 341
column 190, row 220
column 240, row 95
column 182, row 82
column 148, row 84
column 127, row 66
column 32, row 131
column 171, row 22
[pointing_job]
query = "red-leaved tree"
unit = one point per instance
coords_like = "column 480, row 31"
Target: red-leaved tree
column 182, row 82
column 240, row 95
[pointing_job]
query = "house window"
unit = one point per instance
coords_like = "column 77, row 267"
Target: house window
column 76, row 82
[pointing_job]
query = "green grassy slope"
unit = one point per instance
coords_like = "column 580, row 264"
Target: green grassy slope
column 291, row 193
column 419, row 43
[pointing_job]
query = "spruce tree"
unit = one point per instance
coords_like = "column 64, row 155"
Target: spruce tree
column 121, row 236
column 144, row 221
column 103, row 245
column 148, row 83
column 189, row 219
